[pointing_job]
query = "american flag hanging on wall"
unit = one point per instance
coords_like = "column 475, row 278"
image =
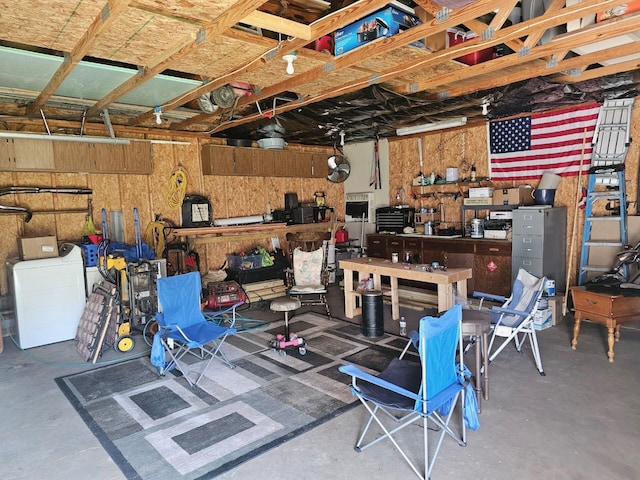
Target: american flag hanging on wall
column 524, row 148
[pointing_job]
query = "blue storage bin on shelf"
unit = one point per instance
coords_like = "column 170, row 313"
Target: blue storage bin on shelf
column 90, row 253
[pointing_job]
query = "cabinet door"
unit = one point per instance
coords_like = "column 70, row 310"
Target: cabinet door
column 461, row 255
column 73, row 157
column 394, row 245
column 138, row 157
column 377, row 246
column 34, row 155
column 244, row 161
column 263, row 161
column 319, row 168
column 433, row 251
column 492, row 268
column 218, row 160
column 292, row 164
column 109, row 158
column 414, row 247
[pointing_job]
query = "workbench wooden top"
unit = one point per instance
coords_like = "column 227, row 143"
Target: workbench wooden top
column 406, row 271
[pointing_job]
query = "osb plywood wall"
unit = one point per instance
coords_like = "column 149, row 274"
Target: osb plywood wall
column 464, row 147
column 456, row 148
column 230, row 197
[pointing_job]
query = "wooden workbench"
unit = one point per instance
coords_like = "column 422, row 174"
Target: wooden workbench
column 378, row 267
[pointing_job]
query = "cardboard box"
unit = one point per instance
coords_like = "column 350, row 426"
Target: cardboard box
column 32, row 248
column 481, row 192
column 513, row 196
column 478, row 201
column 383, row 23
column 555, row 304
column 542, row 319
column 497, row 234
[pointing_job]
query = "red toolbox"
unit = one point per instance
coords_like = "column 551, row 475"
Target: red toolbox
column 456, row 36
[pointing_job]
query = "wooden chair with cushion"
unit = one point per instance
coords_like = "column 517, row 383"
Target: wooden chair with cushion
column 308, row 277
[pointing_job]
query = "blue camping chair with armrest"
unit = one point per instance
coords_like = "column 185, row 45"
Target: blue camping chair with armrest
column 183, row 328
column 427, row 390
column 514, row 320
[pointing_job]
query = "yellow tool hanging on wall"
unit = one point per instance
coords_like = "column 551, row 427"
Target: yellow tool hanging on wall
column 177, row 188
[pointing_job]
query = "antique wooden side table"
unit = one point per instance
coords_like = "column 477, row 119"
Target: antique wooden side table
column 610, row 310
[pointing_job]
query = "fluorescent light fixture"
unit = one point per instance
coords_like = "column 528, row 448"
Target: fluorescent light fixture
column 429, row 127
column 65, row 138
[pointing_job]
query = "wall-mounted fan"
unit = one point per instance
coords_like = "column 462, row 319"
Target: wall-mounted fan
column 339, row 168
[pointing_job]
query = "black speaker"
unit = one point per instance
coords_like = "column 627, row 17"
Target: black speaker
column 290, row 201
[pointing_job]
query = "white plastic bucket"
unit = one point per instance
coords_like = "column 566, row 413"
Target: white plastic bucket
column 549, row 181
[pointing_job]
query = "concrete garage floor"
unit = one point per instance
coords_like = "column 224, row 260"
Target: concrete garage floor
column 580, row 421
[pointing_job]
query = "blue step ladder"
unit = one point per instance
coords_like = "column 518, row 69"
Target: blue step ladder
column 606, row 184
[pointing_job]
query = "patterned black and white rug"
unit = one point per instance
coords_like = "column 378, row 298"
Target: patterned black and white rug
column 157, row 427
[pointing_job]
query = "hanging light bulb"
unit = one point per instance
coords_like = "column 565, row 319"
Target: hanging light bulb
column 157, row 111
column 289, row 58
column 485, row 108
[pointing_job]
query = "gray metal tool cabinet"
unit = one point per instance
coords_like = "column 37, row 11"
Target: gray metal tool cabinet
column 539, row 241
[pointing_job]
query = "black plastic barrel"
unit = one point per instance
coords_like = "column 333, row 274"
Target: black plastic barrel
column 372, row 314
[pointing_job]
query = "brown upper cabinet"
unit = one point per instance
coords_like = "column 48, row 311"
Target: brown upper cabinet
column 26, row 154
column 224, row 160
column 43, row 155
column 138, row 158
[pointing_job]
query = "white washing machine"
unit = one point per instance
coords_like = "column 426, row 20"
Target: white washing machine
column 49, row 297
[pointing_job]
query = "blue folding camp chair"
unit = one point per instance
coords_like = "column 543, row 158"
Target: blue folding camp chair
column 182, row 328
column 428, row 390
column 514, row 320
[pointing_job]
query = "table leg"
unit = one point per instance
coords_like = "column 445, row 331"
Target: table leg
column 461, row 287
column 478, row 370
column 445, row 296
column 349, row 297
column 610, row 341
column 485, row 354
column 395, row 301
column 576, row 331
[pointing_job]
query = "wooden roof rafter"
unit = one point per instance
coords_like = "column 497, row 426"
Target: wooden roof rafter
column 352, row 58
column 104, row 20
column 519, row 30
column 225, row 21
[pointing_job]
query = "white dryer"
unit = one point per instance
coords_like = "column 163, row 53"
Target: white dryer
column 49, row 297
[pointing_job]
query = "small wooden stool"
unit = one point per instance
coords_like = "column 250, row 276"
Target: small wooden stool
column 610, row 310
